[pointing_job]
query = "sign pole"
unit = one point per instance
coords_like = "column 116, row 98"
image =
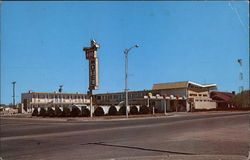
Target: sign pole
column 165, row 106
column 91, row 105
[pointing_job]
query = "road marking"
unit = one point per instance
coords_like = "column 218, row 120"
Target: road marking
column 140, row 148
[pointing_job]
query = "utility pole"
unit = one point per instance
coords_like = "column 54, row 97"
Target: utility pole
column 14, row 101
column 126, row 76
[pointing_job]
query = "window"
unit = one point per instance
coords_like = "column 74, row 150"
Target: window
column 204, row 95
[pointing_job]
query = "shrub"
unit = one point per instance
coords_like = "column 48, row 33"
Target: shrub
column 35, row 112
column 86, row 112
column 42, row 112
column 66, row 112
column 144, row 110
column 122, row 110
column 50, row 112
column 99, row 111
column 75, row 112
column 112, row 111
column 241, row 100
column 58, row 112
column 133, row 110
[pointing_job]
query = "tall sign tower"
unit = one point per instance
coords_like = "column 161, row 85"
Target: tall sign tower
column 91, row 55
column 241, row 88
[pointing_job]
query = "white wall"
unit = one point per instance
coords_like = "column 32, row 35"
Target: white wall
column 204, row 105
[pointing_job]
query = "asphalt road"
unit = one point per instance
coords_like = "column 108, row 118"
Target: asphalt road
column 184, row 134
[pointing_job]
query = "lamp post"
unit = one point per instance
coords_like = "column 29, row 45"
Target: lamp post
column 126, row 76
column 165, row 103
column 14, row 102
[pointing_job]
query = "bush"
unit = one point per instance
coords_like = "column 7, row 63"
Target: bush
column 50, row 112
column 144, row 110
column 35, row 112
column 58, row 112
column 75, row 112
column 99, row 111
column 86, row 112
column 66, row 112
column 122, row 110
column 134, row 110
column 112, row 111
column 42, row 112
column 241, row 100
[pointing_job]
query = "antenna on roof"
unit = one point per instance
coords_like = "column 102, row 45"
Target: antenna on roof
column 60, row 89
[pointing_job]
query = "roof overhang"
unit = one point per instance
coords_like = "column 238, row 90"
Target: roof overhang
column 184, row 84
column 204, row 86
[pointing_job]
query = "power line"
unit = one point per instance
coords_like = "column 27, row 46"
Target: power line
column 235, row 10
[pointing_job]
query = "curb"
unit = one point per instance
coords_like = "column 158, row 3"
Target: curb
column 185, row 157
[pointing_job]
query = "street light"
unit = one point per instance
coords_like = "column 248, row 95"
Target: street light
column 14, row 102
column 126, row 75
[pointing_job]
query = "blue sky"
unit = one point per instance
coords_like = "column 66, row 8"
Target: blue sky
column 41, row 44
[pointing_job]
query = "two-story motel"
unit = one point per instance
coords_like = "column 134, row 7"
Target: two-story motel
column 177, row 96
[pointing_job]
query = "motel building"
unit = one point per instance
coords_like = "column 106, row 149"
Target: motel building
column 176, row 96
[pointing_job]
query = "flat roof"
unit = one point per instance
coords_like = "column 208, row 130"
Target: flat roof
column 182, row 84
column 54, row 93
column 159, row 86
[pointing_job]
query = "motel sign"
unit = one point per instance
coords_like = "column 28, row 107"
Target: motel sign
column 91, row 55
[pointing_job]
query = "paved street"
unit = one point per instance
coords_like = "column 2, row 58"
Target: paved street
column 182, row 134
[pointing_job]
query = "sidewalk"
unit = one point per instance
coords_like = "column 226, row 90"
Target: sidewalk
column 101, row 118
column 114, row 118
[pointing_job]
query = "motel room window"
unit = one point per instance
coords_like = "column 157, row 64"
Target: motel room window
column 204, row 95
